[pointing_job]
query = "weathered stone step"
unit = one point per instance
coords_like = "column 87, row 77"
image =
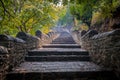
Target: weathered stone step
column 57, row 51
column 61, row 46
column 64, row 39
column 67, row 42
column 58, row 71
column 57, row 58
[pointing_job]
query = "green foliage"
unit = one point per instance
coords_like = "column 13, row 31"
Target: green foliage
column 106, row 7
column 96, row 18
column 95, row 10
column 27, row 15
column 104, row 11
column 31, row 15
column 79, row 25
column 82, row 10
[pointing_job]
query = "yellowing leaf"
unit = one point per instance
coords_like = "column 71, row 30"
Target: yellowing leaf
column 28, row 6
column 84, row 27
column 31, row 20
column 45, row 29
column 96, row 18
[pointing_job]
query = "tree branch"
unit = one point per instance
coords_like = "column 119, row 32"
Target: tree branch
column 5, row 10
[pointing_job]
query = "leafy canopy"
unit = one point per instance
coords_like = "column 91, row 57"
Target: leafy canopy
column 28, row 15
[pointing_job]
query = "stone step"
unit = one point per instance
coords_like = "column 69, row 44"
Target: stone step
column 59, row 71
column 57, row 51
column 64, row 39
column 61, row 46
column 60, row 42
column 57, row 58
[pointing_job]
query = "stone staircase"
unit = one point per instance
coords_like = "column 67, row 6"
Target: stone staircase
column 61, row 60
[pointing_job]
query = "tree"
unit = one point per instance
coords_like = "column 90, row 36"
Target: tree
column 82, row 10
column 27, row 15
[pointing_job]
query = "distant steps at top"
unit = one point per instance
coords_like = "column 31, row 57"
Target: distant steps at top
column 64, row 38
column 61, row 46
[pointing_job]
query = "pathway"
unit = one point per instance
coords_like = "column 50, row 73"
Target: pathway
column 61, row 60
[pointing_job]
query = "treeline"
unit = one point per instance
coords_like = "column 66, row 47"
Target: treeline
column 97, row 14
column 94, row 13
column 32, row 15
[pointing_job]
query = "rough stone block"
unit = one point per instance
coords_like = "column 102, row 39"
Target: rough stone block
column 38, row 33
column 90, row 34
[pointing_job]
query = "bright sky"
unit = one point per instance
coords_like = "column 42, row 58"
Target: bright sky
column 60, row 3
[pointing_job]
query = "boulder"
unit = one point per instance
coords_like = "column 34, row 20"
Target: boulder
column 38, row 33
column 90, row 33
column 6, row 38
column 83, row 32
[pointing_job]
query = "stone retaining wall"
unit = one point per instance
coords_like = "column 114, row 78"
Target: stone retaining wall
column 3, row 61
column 14, row 55
column 46, row 38
column 13, row 50
column 104, row 48
column 32, row 42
